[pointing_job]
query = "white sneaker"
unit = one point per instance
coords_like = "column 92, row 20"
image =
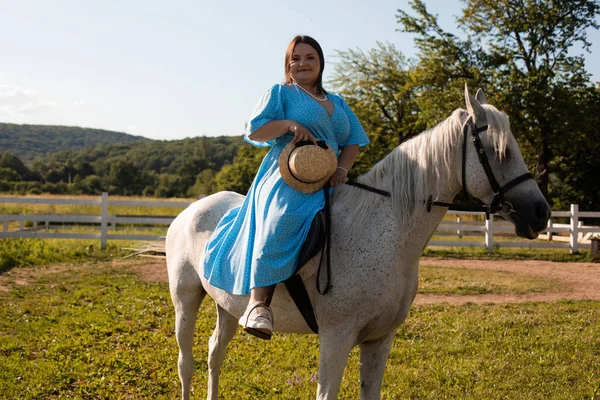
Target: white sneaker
column 258, row 320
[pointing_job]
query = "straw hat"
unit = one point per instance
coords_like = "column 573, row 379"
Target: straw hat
column 307, row 167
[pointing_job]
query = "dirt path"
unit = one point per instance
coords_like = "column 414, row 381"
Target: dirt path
column 580, row 280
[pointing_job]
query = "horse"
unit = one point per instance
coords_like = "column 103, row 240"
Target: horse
column 376, row 244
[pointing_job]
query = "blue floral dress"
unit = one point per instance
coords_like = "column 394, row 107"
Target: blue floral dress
column 258, row 243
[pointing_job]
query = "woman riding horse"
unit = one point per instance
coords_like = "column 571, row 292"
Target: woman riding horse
column 257, row 245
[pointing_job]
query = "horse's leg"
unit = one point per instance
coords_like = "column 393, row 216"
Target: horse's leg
column 373, row 357
column 335, row 346
column 217, row 347
column 186, row 300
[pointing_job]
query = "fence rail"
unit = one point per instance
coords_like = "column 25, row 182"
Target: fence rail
column 577, row 233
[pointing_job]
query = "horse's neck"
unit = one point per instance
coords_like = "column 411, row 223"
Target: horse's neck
column 427, row 165
column 429, row 220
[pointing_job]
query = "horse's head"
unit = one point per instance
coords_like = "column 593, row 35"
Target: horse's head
column 495, row 172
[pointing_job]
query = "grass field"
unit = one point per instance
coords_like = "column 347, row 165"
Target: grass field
column 445, row 280
column 18, row 252
column 558, row 255
column 91, row 330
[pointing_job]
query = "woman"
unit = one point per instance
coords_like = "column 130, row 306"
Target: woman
column 257, row 244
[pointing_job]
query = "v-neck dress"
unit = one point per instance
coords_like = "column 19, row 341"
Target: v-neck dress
column 258, row 243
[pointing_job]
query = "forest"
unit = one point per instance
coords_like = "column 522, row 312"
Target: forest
column 179, row 168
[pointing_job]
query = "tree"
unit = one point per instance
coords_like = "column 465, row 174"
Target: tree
column 519, row 50
column 10, row 161
column 9, row 175
column 170, row 185
column 239, row 176
column 379, row 88
column 91, row 184
column 205, row 184
column 575, row 179
column 124, row 178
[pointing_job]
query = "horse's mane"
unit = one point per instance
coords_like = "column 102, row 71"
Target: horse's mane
column 418, row 169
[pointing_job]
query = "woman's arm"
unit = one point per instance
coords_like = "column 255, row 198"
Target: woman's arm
column 345, row 162
column 276, row 128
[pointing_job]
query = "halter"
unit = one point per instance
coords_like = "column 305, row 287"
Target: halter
column 498, row 204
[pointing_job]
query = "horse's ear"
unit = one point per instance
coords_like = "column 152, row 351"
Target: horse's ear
column 473, row 107
column 480, row 96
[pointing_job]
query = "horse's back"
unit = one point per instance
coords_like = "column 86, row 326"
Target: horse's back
column 189, row 232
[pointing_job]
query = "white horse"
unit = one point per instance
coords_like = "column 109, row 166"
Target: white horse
column 376, row 245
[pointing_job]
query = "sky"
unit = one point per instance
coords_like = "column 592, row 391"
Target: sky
column 177, row 69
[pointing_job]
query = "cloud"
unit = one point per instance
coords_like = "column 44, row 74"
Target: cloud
column 80, row 104
column 19, row 102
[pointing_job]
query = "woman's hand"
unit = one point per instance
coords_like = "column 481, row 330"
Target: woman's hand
column 301, row 133
column 339, row 177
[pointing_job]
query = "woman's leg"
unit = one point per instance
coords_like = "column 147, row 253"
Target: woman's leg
column 262, row 295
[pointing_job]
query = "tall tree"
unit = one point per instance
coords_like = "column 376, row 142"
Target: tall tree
column 379, row 88
column 520, row 50
column 575, row 178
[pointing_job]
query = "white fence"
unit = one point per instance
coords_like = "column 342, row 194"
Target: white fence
column 573, row 236
column 104, row 220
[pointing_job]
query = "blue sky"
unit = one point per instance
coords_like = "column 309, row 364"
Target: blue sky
column 170, row 70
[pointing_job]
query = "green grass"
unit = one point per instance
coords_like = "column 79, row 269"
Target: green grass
column 558, row 255
column 464, row 281
column 18, row 252
column 93, row 331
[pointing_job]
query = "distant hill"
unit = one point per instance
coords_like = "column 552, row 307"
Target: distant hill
column 30, row 141
column 185, row 156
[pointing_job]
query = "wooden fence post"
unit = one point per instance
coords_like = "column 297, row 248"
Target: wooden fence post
column 104, row 220
column 489, row 234
column 574, row 228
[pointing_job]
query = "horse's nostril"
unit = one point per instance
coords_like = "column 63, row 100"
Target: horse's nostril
column 541, row 211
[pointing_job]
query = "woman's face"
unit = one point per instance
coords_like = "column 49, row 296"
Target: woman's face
column 305, row 65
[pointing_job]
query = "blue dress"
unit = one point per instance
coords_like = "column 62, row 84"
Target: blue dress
column 258, row 243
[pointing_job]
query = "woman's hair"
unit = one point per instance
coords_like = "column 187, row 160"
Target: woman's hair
column 290, row 52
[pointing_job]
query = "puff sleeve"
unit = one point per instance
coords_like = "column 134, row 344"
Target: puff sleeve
column 268, row 108
column 357, row 133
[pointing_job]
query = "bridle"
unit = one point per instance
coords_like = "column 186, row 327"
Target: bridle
column 498, row 205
